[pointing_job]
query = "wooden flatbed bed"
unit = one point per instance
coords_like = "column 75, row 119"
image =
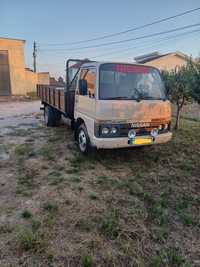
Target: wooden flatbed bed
column 58, row 98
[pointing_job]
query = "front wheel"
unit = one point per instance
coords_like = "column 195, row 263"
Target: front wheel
column 83, row 139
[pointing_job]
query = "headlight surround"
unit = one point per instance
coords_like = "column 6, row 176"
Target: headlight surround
column 108, row 130
column 131, row 134
column 113, row 130
column 105, row 131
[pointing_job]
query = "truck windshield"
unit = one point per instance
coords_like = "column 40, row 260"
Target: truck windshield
column 128, row 81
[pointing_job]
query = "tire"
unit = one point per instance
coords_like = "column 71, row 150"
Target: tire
column 72, row 125
column 83, row 139
column 51, row 116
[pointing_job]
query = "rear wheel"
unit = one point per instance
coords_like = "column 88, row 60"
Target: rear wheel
column 83, row 139
column 52, row 116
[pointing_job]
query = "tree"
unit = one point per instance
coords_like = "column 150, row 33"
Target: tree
column 194, row 69
column 179, row 89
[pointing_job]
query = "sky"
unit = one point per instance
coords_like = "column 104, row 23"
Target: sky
column 54, row 23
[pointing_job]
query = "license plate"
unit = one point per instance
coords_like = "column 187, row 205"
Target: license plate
column 140, row 141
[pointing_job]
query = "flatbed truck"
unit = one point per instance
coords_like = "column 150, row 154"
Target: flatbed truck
column 110, row 105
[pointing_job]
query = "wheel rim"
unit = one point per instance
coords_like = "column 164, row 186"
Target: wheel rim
column 82, row 140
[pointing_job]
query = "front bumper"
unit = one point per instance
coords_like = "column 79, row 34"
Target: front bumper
column 119, row 142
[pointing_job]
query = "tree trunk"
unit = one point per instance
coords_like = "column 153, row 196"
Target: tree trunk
column 178, row 113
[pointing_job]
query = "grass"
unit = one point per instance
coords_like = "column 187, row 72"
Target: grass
column 48, row 151
column 50, row 206
column 93, row 195
column 23, row 150
column 26, row 214
column 127, row 207
column 158, row 210
column 25, row 179
column 169, row 257
column 87, row 261
column 29, row 240
column 75, row 179
column 6, row 229
column 55, row 177
column 110, row 225
column 183, row 209
column 20, row 132
column 35, row 225
column 160, row 234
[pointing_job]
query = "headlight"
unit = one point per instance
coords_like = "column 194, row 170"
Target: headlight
column 166, row 126
column 113, row 130
column 154, row 132
column 105, row 130
column 132, row 134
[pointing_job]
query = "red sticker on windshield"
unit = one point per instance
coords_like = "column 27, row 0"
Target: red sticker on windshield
column 131, row 68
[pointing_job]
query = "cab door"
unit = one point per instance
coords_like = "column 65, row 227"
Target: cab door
column 85, row 104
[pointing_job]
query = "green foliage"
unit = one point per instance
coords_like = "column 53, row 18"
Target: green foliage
column 87, row 261
column 93, row 195
column 195, row 80
column 23, row 150
column 159, row 210
column 110, row 225
column 48, row 151
column 28, row 240
column 50, row 206
column 183, row 86
column 26, row 214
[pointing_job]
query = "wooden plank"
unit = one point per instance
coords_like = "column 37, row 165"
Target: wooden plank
column 52, row 96
column 62, row 100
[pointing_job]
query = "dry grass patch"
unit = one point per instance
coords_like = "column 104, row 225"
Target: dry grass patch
column 127, row 207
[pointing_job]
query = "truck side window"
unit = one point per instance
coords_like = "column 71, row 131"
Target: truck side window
column 90, row 76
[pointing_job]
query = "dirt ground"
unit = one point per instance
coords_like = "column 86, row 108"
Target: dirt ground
column 14, row 113
column 128, row 207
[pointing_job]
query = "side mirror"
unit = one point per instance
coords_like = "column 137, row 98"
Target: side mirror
column 83, row 87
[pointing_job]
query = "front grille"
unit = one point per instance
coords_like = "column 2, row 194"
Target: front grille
column 123, row 130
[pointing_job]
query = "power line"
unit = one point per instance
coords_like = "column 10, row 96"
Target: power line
column 122, row 49
column 126, row 31
column 138, row 47
column 157, row 41
column 127, row 40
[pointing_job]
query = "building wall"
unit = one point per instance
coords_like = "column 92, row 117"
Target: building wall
column 30, row 81
column 22, row 80
column 15, row 50
column 168, row 63
column 43, row 78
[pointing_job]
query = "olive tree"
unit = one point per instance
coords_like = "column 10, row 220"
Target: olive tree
column 194, row 79
column 178, row 88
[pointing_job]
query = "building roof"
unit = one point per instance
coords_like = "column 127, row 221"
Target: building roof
column 155, row 55
column 12, row 39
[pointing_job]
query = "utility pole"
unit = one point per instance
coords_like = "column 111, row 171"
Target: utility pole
column 34, row 56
